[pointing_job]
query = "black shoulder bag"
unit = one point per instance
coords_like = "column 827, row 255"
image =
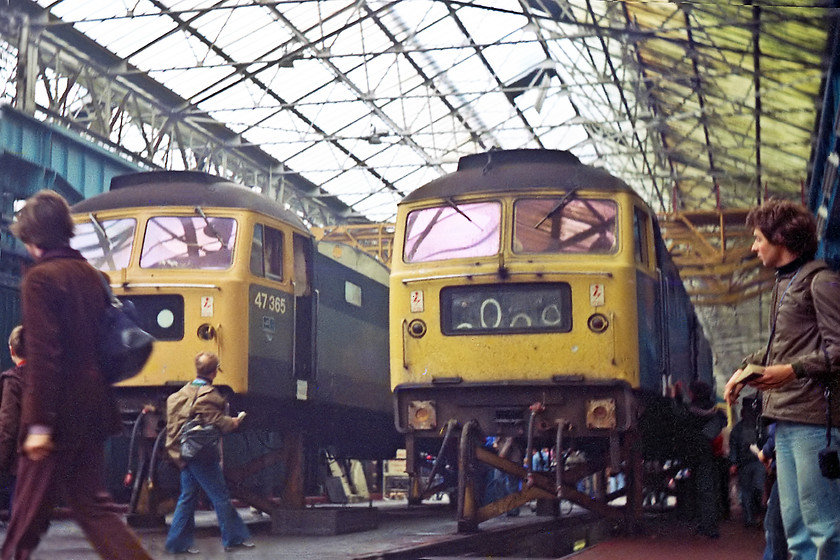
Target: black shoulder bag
column 829, row 461
column 124, row 347
column 194, row 437
column 828, row 458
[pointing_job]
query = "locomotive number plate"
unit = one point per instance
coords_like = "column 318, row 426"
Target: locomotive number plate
column 270, row 302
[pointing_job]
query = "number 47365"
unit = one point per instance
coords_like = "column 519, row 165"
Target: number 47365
column 276, row 304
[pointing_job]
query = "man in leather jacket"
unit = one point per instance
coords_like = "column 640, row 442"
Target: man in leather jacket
column 802, row 356
column 201, row 400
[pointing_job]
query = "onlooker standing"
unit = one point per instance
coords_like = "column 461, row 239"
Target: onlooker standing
column 802, row 352
column 705, row 423
column 201, row 400
column 742, row 440
column 67, row 410
column 11, row 387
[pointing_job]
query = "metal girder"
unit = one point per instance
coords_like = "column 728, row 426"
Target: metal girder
column 712, row 251
column 98, row 95
column 633, row 67
column 377, row 240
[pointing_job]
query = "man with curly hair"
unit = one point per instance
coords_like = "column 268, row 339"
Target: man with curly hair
column 802, row 357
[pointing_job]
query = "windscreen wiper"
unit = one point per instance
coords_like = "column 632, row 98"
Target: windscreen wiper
column 212, row 229
column 104, row 241
column 454, row 206
column 559, row 206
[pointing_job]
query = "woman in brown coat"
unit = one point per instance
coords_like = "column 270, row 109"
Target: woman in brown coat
column 67, row 410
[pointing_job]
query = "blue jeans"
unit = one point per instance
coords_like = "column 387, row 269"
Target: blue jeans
column 204, row 473
column 810, row 503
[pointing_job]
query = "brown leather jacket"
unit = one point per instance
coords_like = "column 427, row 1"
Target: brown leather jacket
column 805, row 305
column 209, row 406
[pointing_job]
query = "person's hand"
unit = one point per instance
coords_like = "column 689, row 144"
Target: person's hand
column 733, row 389
column 38, row 446
column 773, row 377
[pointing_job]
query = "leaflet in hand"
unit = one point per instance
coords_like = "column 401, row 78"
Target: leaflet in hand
column 749, row 373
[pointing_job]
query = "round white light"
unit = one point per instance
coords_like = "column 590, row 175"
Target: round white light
column 165, row 318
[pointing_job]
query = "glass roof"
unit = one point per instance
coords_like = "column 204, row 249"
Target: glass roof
column 698, row 105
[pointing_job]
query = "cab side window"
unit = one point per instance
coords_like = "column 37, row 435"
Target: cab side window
column 641, row 236
column 300, row 274
column 267, row 253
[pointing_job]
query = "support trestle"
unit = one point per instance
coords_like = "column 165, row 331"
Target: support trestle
column 474, row 459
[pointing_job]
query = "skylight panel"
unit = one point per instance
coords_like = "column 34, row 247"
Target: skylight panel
column 414, row 22
column 319, row 158
column 563, row 137
column 380, row 207
column 160, row 53
column 244, row 34
column 296, row 82
column 76, row 10
column 320, row 19
column 397, row 157
column 364, row 35
column 334, row 117
column 123, row 36
column 184, row 81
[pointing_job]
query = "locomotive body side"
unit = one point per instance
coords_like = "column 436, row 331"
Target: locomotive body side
column 352, row 292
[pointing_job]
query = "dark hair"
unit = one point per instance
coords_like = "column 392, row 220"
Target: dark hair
column 16, row 342
column 44, row 221
column 700, row 391
column 206, row 363
column 787, row 224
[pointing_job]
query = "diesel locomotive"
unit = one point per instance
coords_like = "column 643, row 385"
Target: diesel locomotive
column 300, row 326
column 533, row 301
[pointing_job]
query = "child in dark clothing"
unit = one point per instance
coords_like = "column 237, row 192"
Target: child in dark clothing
column 11, row 389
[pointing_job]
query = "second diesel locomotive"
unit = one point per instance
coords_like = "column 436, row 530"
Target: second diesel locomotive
column 533, row 300
column 300, row 326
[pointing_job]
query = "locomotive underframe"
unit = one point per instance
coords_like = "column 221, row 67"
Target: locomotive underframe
column 597, row 418
column 282, row 436
column 504, row 409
